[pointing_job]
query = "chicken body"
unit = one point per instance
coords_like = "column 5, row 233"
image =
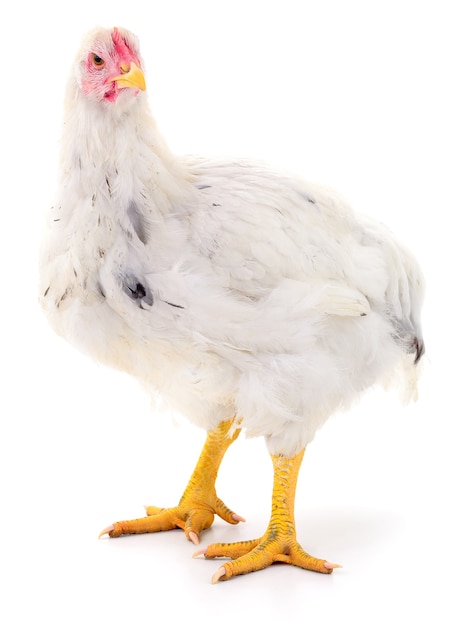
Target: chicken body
column 241, row 295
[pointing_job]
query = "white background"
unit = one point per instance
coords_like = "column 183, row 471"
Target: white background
column 360, row 95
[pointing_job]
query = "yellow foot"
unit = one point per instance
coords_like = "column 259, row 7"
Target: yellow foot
column 199, row 503
column 278, row 544
column 250, row 556
column 191, row 516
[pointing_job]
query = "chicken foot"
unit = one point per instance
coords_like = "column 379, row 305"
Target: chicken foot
column 278, row 544
column 199, row 502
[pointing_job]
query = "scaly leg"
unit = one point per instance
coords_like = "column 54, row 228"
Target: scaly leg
column 199, row 503
column 279, row 541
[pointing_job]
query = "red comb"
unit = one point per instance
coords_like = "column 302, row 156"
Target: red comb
column 120, row 44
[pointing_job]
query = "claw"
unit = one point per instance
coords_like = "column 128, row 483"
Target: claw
column 331, row 566
column 200, row 552
column 106, row 531
column 218, row 575
column 238, row 518
column 194, row 538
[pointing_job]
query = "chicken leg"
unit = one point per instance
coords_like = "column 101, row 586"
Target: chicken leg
column 198, row 504
column 279, row 541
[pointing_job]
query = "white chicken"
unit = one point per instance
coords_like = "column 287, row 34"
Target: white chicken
column 248, row 299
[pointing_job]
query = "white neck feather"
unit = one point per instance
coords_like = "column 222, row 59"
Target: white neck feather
column 116, row 150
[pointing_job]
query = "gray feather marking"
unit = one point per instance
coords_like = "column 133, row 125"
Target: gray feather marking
column 138, row 223
column 137, row 290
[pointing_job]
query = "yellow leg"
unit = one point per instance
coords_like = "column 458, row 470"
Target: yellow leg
column 279, row 541
column 199, row 503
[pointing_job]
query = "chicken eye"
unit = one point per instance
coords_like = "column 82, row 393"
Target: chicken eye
column 97, row 60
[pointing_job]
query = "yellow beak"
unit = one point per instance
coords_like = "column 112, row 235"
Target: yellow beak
column 131, row 77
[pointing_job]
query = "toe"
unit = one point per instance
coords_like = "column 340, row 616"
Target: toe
column 300, row 558
column 153, row 510
column 230, row 550
column 226, row 514
column 197, row 521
